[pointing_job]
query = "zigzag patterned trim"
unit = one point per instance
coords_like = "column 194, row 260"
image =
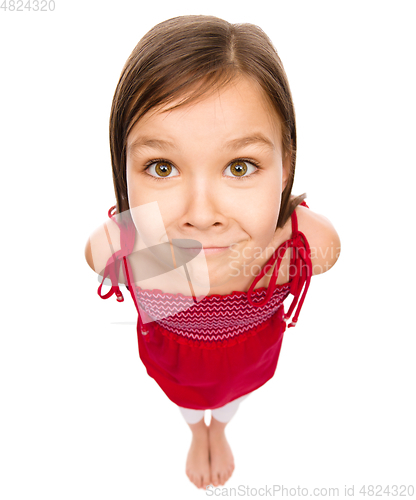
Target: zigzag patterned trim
column 216, row 318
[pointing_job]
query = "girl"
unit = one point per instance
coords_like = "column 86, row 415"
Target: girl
column 203, row 148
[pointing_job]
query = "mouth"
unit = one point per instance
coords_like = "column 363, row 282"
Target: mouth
column 212, row 250
column 207, row 250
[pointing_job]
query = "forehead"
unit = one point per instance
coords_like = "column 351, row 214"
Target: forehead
column 240, row 108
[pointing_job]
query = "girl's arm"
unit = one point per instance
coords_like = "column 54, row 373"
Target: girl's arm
column 102, row 243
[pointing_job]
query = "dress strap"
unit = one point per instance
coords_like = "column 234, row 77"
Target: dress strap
column 127, row 238
column 141, row 313
column 301, row 277
column 112, row 268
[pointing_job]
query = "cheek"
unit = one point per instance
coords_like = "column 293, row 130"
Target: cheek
column 261, row 223
column 261, row 209
column 131, row 187
column 152, row 210
column 137, row 193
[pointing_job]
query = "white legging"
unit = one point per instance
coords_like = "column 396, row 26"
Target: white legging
column 223, row 414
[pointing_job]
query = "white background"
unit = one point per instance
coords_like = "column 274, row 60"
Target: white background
column 80, row 418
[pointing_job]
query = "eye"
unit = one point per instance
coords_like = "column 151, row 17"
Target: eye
column 160, row 169
column 239, row 168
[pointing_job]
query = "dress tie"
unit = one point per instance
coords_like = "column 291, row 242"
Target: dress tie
column 303, row 272
column 112, row 268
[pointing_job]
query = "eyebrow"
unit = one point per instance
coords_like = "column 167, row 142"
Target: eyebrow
column 148, row 142
column 257, row 138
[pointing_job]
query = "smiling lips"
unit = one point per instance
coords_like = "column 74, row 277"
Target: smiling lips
column 207, row 250
column 210, row 250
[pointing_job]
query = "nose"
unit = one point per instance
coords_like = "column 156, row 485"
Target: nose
column 203, row 204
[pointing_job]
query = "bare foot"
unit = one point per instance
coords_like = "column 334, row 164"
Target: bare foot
column 197, row 462
column 221, row 457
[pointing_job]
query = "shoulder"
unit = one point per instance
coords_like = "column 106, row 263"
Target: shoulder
column 102, row 243
column 324, row 242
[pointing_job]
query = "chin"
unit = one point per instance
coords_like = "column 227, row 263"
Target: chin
column 213, row 276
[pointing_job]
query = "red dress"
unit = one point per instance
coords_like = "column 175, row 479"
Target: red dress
column 208, row 353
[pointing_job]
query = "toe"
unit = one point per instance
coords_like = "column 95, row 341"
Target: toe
column 193, row 478
column 205, row 481
column 215, row 478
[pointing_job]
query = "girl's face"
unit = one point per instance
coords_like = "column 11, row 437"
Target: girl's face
column 216, row 170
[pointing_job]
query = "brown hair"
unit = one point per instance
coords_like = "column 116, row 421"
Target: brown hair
column 202, row 53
